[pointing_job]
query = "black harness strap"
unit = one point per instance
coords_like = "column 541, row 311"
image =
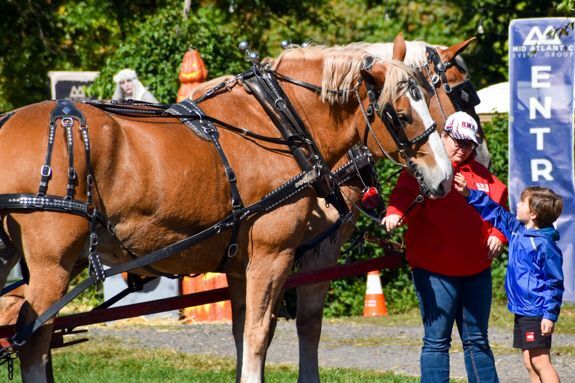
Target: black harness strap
column 5, row 117
column 205, row 128
column 274, row 198
column 360, row 159
column 46, row 170
column 191, row 116
column 67, row 112
column 68, row 124
column 264, row 86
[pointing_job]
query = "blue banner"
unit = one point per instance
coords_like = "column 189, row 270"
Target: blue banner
column 541, row 71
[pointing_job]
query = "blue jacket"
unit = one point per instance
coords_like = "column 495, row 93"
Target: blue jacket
column 534, row 279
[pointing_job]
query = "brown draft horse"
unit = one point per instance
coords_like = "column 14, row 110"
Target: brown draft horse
column 310, row 298
column 157, row 182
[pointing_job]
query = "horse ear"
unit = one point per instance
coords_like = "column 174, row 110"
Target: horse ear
column 374, row 75
column 399, row 49
column 451, row 52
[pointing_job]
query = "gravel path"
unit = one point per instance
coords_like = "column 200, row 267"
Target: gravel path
column 360, row 344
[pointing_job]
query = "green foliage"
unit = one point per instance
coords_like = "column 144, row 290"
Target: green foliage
column 47, row 35
column 152, row 35
column 155, row 52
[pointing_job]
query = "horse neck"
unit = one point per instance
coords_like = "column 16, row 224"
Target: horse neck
column 332, row 127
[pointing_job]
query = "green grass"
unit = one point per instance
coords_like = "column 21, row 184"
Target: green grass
column 108, row 361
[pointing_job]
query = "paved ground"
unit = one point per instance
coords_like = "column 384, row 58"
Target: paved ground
column 360, row 344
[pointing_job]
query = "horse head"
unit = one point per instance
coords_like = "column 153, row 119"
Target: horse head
column 445, row 76
column 450, row 83
column 410, row 136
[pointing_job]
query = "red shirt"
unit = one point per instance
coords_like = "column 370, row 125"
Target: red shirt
column 446, row 235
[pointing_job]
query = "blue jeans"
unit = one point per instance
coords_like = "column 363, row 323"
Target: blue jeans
column 466, row 301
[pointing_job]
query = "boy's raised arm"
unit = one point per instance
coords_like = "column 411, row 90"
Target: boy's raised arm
column 489, row 210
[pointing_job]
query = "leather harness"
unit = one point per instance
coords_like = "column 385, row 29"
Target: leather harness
column 263, row 84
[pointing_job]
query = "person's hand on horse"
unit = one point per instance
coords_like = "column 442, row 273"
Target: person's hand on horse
column 494, row 246
column 461, row 185
column 391, row 221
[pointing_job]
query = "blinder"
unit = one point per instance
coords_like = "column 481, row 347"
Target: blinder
column 464, row 96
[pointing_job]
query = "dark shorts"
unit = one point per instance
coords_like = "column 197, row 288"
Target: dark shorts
column 527, row 333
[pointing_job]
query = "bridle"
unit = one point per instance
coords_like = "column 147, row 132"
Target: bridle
column 387, row 114
column 463, row 96
column 396, row 127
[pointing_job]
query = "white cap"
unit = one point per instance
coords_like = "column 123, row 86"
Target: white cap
column 461, row 126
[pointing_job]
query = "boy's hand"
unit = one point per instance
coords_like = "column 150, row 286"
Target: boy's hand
column 391, row 221
column 461, row 185
column 547, row 327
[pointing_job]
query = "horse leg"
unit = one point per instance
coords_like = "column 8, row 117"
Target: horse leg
column 237, row 289
column 52, row 244
column 310, row 304
column 265, row 278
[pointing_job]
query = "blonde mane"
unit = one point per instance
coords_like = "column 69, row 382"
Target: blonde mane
column 341, row 68
column 396, row 77
column 415, row 57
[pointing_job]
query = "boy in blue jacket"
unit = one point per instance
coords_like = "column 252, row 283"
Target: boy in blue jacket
column 534, row 279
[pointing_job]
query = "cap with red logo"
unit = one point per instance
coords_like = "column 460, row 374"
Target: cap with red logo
column 461, row 126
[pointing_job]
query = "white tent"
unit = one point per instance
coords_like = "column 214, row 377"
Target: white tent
column 494, row 99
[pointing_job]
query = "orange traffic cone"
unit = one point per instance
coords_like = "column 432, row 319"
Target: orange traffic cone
column 374, row 305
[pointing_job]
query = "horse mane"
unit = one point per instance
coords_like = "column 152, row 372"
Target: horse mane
column 341, row 70
column 396, row 77
column 341, row 67
column 415, row 54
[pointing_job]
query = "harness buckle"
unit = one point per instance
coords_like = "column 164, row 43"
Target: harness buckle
column 232, row 250
column 231, row 175
column 435, row 79
column 447, row 88
column 45, row 171
column 93, row 240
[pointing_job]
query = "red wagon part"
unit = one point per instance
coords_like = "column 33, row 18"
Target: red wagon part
column 65, row 325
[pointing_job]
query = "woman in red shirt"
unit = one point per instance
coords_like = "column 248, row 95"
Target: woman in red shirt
column 450, row 249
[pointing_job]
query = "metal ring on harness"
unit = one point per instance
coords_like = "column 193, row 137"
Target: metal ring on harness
column 280, row 103
column 232, row 250
column 67, row 122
